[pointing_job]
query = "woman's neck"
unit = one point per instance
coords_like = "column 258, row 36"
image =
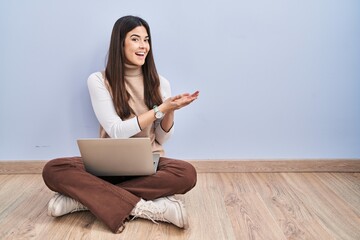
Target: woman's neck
column 132, row 70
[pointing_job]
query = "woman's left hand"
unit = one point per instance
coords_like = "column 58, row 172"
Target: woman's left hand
column 179, row 101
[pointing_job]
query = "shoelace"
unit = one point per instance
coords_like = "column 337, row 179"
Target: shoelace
column 78, row 206
column 149, row 208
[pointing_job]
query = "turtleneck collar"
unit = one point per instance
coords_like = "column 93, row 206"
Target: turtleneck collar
column 132, row 70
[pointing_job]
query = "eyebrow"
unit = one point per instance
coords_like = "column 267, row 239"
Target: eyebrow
column 135, row 35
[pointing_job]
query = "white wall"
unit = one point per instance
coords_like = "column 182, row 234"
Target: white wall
column 278, row 79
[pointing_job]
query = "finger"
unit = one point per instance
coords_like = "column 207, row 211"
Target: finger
column 186, row 101
column 176, row 97
column 195, row 93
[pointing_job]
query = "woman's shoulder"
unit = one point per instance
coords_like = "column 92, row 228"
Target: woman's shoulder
column 96, row 78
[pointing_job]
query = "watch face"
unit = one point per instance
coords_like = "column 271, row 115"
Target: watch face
column 159, row 114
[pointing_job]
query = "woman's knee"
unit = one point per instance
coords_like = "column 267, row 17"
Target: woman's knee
column 190, row 175
column 53, row 170
column 182, row 174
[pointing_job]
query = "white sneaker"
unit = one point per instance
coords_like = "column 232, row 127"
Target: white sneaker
column 60, row 205
column 167, row 209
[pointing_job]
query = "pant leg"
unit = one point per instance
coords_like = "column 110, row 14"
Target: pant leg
column 173, row 177
column 108, row 202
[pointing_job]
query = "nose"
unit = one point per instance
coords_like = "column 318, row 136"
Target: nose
column 143, row 44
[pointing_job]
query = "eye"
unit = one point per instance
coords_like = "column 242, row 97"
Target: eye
column 135, row 39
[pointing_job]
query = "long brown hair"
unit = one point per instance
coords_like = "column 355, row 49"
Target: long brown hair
column 115, row 68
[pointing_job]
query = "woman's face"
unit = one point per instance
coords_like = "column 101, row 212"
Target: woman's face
column 136, row 46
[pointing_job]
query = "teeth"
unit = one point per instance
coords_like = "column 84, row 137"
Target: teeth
column 140, row 53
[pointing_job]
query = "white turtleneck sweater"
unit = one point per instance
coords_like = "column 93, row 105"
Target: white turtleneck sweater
column 114, row 126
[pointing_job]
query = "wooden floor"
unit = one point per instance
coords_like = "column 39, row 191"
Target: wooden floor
column 221, row 206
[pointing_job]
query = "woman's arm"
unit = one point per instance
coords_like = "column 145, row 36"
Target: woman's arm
column 117, row 128
column 105, row 112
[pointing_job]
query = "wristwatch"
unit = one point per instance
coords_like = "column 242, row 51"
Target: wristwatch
column 158, row 114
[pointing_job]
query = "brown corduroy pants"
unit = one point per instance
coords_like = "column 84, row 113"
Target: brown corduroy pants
column 111, row 199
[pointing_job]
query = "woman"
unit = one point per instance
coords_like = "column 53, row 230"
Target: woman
column 130, row 100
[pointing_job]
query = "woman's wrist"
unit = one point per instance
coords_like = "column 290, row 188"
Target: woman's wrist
column 170, row 113
column 163, row 108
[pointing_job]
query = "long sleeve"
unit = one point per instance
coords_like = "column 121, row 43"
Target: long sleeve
column 160, row 135
column 105, row 112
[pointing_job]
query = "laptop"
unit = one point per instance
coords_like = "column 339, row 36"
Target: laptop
column 118, row 157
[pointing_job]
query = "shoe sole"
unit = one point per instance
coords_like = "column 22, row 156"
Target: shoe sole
column 183, row 211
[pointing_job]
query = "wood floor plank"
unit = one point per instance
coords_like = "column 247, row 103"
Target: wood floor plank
column 249, row 216
column 327, row 207
column 4, row 179
column 342, row 188
column 20, row 216
column 7, row 193
column 351, row 179
column 207, row 211
column 293, row 217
